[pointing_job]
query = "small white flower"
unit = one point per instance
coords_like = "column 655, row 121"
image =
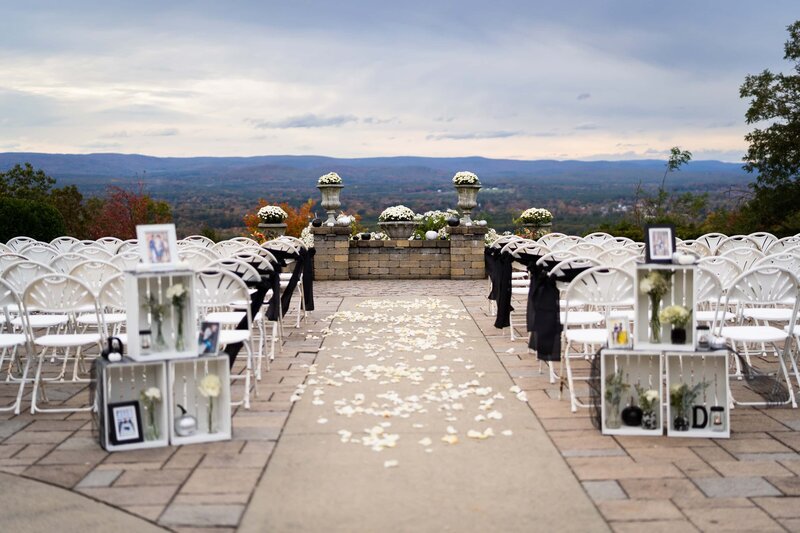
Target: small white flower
column 210, row 386
column 331, row 178
column 391, row 463
column 465, row 178
column 398, row 213
column 536, row 215
column 152, row 394
column 272, row 214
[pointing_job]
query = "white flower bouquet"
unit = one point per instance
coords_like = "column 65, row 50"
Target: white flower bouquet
column 272, row 214
column 331, row 178
column 150, row 397
column 677, row 315
column 536, row 215
column 397, row 213
column 210, row 387
column 307, row 237
column 465, row 178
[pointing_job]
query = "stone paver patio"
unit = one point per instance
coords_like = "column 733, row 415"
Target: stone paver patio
column 749, row 482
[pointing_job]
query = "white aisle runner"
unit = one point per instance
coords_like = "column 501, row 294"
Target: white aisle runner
column 408, row 422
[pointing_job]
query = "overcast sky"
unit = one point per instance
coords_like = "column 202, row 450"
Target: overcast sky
column 506, row 79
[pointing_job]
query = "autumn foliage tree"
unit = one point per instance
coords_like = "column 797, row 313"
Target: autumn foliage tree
column 124, row 209
column 297, row 220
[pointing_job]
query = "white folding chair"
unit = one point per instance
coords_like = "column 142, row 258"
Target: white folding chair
column 711, row 240
column 63, row 244
column 66, row 261
column 9, row 259
column 127, row 246
column 199, row 240
column 262, row 264
column 736, row 242
column 111, row 299
column 744, row 257
column 39, row 252
column 228, row 248
column 694, row 247
column 196, row 258
column 616, row 256
column 763, row 239
column 292, row 248
column 110, row 244
column 598, row 237
column 94, row 273
column 548, row 238
column 232, row 317
column 18, row 243
column 764, row 287
column 126, row 260
column 59, row 294
column 11, row 344
column 221, row 289
column 782, row 245
column 605, row 290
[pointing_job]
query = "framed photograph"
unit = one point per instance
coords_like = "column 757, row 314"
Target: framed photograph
column 619, row 332
column 124, row 423
column 659, row 244
column 158, row 244
column 208, row 339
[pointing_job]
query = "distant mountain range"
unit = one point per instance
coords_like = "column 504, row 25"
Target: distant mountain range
column 372, row 183
column 94, row 171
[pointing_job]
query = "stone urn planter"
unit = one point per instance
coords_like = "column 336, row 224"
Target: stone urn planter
column 398, row 230
column 271, row 231
column 467, row 201
column 539, row 230
column 330, row 200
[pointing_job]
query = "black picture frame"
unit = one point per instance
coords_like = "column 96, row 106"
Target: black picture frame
column 125, row 423
column 208, row 338
column 659, row 240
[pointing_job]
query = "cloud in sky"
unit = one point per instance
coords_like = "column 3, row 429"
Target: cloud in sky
column 308, row 120
column 359, row 78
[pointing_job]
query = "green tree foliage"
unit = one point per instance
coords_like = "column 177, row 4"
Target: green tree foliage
column 30, row 218
column 684, row 211
column 26, row 183
column 774, row 151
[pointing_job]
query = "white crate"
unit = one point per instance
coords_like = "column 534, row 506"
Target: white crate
column 638, row 367
column 693, row 368
column 184, row 379
column 124, row 382
column 139, row 286
column 682, row 292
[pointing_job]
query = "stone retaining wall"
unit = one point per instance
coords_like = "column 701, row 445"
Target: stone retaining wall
column 339, row 258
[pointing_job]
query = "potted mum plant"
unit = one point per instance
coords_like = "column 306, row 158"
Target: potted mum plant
column 273, row 221
column 330, row 185
column 397, row 222
column 537, row 220
column 467, row 186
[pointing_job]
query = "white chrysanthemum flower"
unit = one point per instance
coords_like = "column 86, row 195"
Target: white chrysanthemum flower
column 397, row 213
column 466, row 178
column 272, row 214
column 210, row 386
column 536, row 215
column 331, row 178
column 153, row 394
